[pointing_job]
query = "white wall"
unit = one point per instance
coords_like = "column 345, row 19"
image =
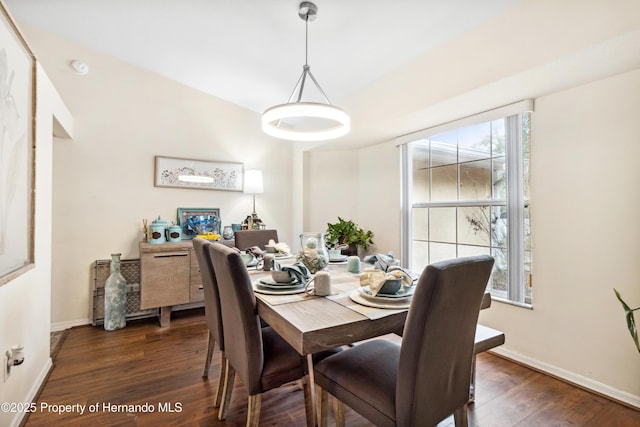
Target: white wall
column 25, row 301
column 361, row 185
column 586, row 233
column 103, row 178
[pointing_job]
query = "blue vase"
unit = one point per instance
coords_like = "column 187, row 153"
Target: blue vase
column 115, row 297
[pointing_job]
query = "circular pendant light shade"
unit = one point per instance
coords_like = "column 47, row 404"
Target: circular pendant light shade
column 306, row 121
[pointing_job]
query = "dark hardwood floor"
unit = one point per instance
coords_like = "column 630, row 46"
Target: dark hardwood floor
column 161, row 368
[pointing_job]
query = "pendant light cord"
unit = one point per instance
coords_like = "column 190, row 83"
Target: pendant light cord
column 306, row 40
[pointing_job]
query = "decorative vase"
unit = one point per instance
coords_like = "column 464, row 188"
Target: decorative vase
column 227, row 232
column 115, row 297
column 313, row 252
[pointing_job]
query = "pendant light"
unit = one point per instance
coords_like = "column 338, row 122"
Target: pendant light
column 306, row 121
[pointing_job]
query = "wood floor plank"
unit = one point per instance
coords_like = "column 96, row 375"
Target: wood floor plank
column 162, row 367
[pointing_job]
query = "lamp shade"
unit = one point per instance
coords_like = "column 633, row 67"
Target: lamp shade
column 253, row 181
column 306, row 121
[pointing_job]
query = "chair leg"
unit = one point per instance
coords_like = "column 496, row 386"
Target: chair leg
column 308, row 403
column 472, row 386
column 253, row 410
column 207, row 361
column 338, row 412
column 460, row 416
column 222, row 377
column 227, row 389
column 323, row 411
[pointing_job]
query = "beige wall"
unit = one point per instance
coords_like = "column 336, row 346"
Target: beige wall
column 361, row 185
column 25, row 302
column 103, row 178
column 586, row 235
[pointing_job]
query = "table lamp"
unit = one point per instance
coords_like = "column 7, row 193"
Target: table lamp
column 253, row 184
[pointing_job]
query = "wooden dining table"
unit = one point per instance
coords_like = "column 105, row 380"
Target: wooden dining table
column 311, row 324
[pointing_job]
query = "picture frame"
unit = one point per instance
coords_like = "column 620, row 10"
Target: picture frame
column 17, row 148
column 194, row 221
column 174, row 172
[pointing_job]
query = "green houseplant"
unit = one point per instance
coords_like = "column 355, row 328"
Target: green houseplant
column 631, row 323
column 348, row 233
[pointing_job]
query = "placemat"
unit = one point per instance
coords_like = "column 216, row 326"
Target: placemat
column 282, row 298
column 355, row 296
column 370, row 312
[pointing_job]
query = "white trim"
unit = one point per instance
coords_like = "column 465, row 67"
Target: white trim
column 61, row 326
column 33, row 391
column 571, row 377
column 406, row 182
column 485, row 116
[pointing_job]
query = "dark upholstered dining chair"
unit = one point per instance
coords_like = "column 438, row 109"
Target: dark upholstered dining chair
column 262, row 359
column 426, row 378
column 212, row 312
column 247, row 238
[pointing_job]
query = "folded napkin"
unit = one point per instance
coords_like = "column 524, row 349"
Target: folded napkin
column 299, row 271
column 375, row 279
column 255, row 251
column 281, row 247
column 381, row 261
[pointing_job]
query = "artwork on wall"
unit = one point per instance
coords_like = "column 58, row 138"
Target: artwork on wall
column 194, row 221
column 201, row 174
column 17, row 108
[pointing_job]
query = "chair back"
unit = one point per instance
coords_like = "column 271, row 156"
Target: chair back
column 243, row 337
column 210, row 287
column 247, row 238
column 437, row 343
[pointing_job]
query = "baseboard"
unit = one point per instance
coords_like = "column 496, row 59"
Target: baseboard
column 33, row 392
column 589, row 384
column 61, row 326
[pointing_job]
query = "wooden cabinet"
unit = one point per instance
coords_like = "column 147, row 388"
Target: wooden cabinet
column 169, row 276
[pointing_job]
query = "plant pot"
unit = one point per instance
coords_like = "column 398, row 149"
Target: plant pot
column 351, row 250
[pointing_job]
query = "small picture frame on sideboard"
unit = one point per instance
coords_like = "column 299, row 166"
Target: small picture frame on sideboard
column 194, row 221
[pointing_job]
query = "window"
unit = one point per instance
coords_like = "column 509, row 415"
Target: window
column 467, row 193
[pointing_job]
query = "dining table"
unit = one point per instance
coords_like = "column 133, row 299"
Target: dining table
column 311, row 323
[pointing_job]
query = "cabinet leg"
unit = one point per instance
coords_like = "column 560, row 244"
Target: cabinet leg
column 165, row 317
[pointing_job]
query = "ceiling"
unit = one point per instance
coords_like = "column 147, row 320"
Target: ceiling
column 251, row 52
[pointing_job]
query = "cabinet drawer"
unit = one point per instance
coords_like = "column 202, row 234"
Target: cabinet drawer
column 197, row 293
column 164, row 278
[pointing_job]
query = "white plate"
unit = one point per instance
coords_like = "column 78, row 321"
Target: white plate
column 269, row 281
column 357, row 297
column 404, row 292
column 339, row 259
column 284, row 256
column 296, row 285
column 264, row 289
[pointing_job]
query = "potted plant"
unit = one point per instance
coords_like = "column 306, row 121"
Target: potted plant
column 348, row 233
column 631, row 322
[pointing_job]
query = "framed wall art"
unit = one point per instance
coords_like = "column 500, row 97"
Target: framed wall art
column 17, row 101
column 194, row 221
column 201, row 174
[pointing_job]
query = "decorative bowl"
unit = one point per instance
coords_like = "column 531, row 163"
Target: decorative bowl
column 280, row 276
column 247, row 258
column 391, row 286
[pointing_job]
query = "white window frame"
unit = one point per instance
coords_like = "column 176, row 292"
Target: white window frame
column 515, row 202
